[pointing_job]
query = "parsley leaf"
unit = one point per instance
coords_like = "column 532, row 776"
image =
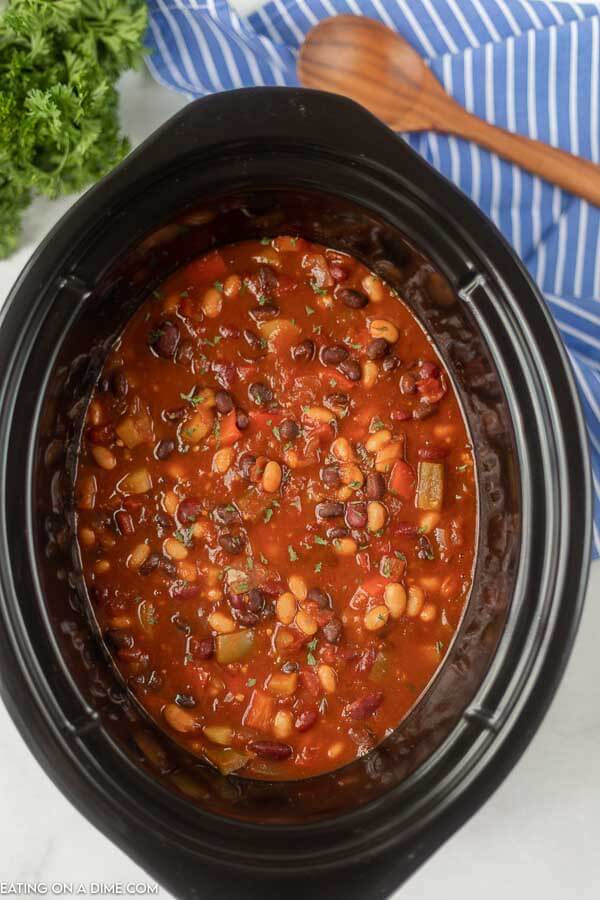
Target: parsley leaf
column 265, row 241
column 309, row 310
column 292, row 553
column 251, row 682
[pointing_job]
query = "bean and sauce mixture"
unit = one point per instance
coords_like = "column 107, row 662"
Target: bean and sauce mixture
column 276, row 508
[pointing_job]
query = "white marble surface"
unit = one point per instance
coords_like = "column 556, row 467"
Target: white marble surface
column 538, row 835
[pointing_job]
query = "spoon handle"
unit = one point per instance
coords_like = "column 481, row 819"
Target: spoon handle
column 574, row 174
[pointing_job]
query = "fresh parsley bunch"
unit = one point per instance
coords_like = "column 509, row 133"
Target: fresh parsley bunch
column 59, row 130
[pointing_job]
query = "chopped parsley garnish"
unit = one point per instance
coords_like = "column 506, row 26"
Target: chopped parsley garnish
column 183, row 535
column 318, row 566
column 377, row 424
column 194, row 398
column 309, row 310
column 264, row 560
column 399, row 555
column 462, row 468
column 267, row 515
column 184, row 294
column 276, row 432
column 333, row 382
column 439, row 646
column 317, row 329
column 155, row 335
column 217, row 431
column 355, row 485
column 320, row 540
column 251, row 682
column 265, row 241
column 356, row 346
column 311, row 647
column 262, row 299
column 292, row 553
column 318, row 289
column 386, row 567
column 212, row 342
column 158, row 294
column 219, row 286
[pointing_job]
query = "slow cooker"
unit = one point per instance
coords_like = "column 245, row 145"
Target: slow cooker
column 229, row 167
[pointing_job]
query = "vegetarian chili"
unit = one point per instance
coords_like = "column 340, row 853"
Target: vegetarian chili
column 276, row 508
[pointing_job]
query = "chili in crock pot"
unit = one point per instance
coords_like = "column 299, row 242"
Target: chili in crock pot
column 276, row 508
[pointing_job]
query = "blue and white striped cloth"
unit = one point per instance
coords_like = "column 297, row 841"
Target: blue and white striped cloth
column 532, row 66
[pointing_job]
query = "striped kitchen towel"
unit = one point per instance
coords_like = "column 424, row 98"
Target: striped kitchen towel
column 532, row 66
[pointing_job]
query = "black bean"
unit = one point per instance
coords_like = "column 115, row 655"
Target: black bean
column 378, row 348
column 253, row 340
column 350, row 368
column 202, row 649
column 223, row 402
column 289, row 667
column 164, row 340
column 118, row 639
column 189, row 510
column 267, row 280
column 318, row 596
column 242, row 419
column 330, row 476
column 225, row 514
column 168, row 566
column 333, row 354
column 336, row 400
column 304, row 351
column 150, row 565
column 289, row 430
column 424, row 410
column 332, row 631
column 124, row 522
column 247, row 617
column 119, row 384
column 180, row 623
column 356, row 514
column 164, row 449
column 353, row 299
column 247, row 461
column 264, row 312
column 232, row 543
column 185, row 700
column 329, row 509
column 408, row 384
column 375, row 486
column 390, row 363
column 260, row 393
column 174, row 415
column 256, row 600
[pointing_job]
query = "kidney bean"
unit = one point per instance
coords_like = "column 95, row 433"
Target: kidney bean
column 378, row 348
column 306, row 720
column 337, row 532
column 164, row 449
column 333, row 354
column 203, row 648
column 304, row 351
column 365, row 706
column 429, row 370
column 332, row 631
column 252, row 339
column 119, row 384
column 184, row 590
column 356, row 515
column 225, row 373
column 174, row 415
column 408, row 384
column 265, row 312
column 101, row 434
column 336, row 400
column 330, row 476
column 225, row 514
column 406, row 529
column 289, row 430
column 223, row 402
column 260, row 393
column 400, row 414
column 353, row 299
column 375, row 486
column 329, row 509
column 337, row 272
column 433, row 452
column 390, row 363
column 232, row 543
column 320, row 597
column 165, row 339
column 124, row 522
column 151, row 564
column 350, row 368
column 270, row 749
column 189, row 510
column 267, row 280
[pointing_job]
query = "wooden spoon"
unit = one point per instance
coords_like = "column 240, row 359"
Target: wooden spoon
column 368, row 62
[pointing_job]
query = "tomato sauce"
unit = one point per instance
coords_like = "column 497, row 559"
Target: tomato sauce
column 276, row 508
